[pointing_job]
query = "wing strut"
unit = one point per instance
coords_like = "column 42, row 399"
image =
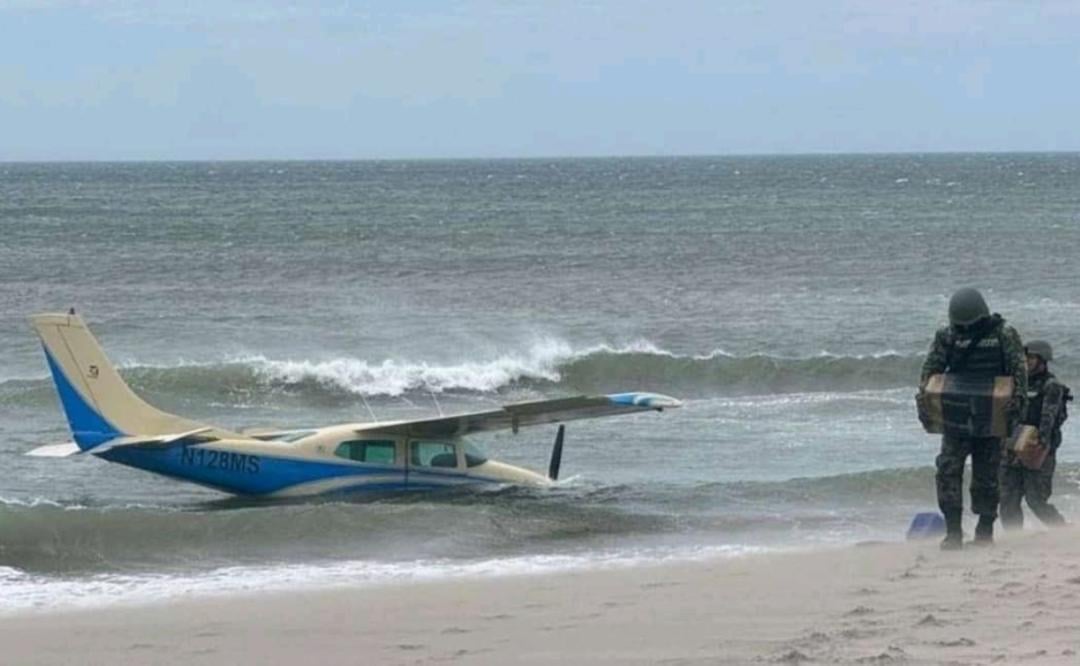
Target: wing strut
column 556, row 454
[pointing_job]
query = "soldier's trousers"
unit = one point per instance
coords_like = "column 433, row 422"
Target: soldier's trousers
column 1018, row 482
column 985, row 455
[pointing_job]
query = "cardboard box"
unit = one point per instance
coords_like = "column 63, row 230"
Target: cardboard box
column 1027, row 447
column 964, row 406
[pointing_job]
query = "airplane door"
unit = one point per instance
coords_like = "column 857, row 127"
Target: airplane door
column 434, row 463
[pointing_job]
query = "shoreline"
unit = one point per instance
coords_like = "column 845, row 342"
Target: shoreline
column 875, row 603
column 116, row 590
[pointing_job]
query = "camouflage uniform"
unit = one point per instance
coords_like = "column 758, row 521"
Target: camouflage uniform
column 1047, row 412
column 985, row 451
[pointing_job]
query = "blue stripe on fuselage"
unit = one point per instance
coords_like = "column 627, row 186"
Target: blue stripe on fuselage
column 88, row 427
column 261, row 474
column 239, row 473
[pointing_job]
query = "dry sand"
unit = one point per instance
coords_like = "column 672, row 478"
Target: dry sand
column 1018, row 602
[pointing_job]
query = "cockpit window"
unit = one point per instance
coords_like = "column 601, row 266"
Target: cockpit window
column 379, row 451
column 474, row 455
column 432, row 454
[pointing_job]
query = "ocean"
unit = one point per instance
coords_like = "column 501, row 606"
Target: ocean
column 788, row 301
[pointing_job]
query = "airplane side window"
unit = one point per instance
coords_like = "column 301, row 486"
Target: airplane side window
column 379, row 451
column 432, row 454
column 474, row 455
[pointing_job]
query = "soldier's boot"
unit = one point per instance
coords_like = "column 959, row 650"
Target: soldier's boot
column 984, row 531
column 954, row 534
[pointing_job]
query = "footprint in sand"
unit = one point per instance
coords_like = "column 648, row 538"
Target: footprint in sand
column 892, row 655
column 859, row 611
column 930, row 621
column 792, row 657
column 458, row 654
column 500, row 616
column 858, row 634
column 959, row 642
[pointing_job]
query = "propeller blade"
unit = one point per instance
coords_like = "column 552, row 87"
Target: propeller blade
column 556, row 455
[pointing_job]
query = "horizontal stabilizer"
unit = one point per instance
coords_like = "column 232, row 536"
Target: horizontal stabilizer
column 156, row 441
column 516, row 415
column 55, row 450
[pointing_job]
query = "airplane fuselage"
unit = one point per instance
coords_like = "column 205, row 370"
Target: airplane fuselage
column 321, row 463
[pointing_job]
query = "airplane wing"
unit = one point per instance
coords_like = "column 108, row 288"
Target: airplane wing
column 515, row 415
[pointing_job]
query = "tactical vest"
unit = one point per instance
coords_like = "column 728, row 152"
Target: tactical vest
column 1035, row 402
column 986, row 359
column 1036, row 391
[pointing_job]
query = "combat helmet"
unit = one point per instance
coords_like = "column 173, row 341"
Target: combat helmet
column 1040, row 348
column 967, row 307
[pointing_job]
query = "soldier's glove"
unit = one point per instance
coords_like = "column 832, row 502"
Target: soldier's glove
column 1009, row 459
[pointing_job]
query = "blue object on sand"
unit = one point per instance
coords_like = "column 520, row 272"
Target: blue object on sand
column 926, row 526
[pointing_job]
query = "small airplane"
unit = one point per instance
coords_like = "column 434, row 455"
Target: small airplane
column 110, row 421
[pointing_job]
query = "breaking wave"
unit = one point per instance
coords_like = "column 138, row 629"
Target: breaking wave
column 547, row 368
column 601, row 368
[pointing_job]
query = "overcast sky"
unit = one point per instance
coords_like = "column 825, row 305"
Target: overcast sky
column 216, row 79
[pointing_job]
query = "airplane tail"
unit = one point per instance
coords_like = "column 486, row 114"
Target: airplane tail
column 98, row 404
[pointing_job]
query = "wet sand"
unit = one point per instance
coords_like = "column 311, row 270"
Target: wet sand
column 1018, row 602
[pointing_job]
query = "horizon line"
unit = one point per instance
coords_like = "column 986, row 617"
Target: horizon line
column 148, row 160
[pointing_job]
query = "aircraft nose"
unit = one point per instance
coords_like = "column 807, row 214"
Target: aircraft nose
column 647, row 400
column 660, row 401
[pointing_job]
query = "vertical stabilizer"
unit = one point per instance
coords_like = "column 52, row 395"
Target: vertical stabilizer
column 98, row 404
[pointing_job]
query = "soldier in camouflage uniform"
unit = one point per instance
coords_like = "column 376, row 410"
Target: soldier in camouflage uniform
column 980, row 344
column 1046, row 410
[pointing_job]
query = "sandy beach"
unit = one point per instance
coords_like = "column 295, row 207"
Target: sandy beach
column 1018, row 602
